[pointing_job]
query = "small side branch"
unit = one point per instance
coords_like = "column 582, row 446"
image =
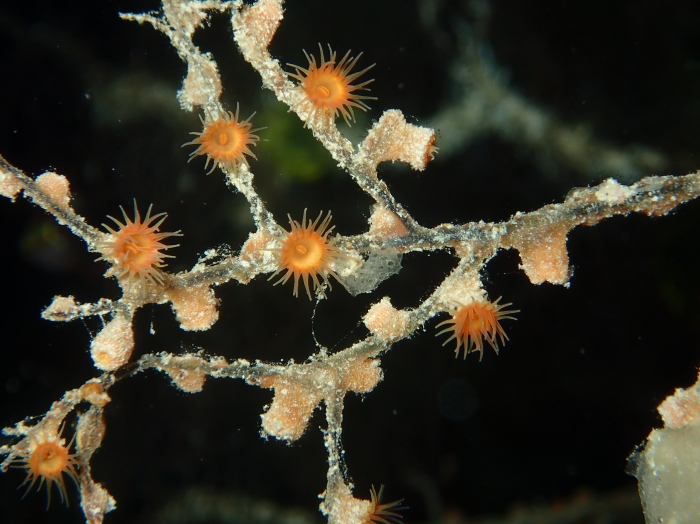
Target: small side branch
column 51, row 192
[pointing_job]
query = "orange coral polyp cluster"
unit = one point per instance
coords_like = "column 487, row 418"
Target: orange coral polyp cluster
column 225, row 141
column 47, row 462
column 328, row 86
column 306, row 253
column 134, row 249
column 471, row 324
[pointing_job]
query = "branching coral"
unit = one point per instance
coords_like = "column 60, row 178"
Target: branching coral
column 324, row 378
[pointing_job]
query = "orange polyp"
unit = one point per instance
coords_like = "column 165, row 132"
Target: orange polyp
column 47, row 462
column 134, row 250
column 379, row 513
column 225, row 141
column 328, row 86
column 471, row 324
column 305, row 253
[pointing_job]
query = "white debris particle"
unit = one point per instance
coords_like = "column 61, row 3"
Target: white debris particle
column 612, row 192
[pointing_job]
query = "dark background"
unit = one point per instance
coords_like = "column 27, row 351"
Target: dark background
column 557, row 413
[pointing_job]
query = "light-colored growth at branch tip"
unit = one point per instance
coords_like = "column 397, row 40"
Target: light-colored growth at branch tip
column 112, row 347
column 392, row 139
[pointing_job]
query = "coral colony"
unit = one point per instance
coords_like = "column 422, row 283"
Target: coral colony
column 133, row 252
